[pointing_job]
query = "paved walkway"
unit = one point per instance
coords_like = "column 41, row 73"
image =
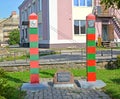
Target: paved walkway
column 69, row 93
column 66, row 93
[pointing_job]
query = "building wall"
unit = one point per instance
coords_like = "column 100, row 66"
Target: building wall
column 56, row 21
column 26, row 8
column 117, row 13
column 67, row 13
column 7, row 25
column 64, row 10
column 53, row 21
column 80, row 13
column 100, row 21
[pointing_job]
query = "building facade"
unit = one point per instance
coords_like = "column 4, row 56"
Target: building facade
column 62, row 23
column 7, row 25
column 107, row 23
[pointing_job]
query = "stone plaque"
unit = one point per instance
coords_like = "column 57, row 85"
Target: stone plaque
column 63, row 77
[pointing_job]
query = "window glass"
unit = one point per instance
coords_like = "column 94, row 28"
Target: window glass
column 23, row 33
column 26, row 33
column 82, row 27
column 40, row 31
column 89, row 3
column 76, row 2
column 76, row 27
column 40, row 5
column 82, row 2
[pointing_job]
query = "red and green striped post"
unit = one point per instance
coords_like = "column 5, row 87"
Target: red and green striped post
column 34, row 56
column 91, row 48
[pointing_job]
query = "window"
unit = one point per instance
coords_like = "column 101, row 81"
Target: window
column 79, row 27
column 40, row 5
column 76, row 2
column 29, row 10
column 26, row 15
column 82, row 2
column 87, row 3
column 33, row 7
column 26, row 33
column 23, row 16
column 23, row 33
column 76, row 27
column 82, row 23
column 40, row 31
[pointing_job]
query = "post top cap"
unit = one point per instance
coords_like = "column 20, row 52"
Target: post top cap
column 91, row 17
column 33, row 16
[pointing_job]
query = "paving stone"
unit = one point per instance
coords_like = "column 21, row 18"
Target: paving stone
column 36, row 97
column 106, row 97
column 56, row 92
column 76, row 97
column 90, row 98
column 40, row 98
column 57, row 97
column 103, row 94
column 40, row 95
column 69, row 93
column 67, row 97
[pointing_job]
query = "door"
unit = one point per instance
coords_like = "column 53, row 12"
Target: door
column 104, row 32
column 111, row 32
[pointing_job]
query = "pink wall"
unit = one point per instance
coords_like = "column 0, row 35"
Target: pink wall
column 98, row 26
column 99, row 22
column 64, row 19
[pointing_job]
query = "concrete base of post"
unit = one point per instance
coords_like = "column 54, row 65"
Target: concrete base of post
column 34, row 87
column 98, row 84
column 63, row 85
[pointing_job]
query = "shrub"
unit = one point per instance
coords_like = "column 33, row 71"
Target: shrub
column 2, row 73
column 1, row 97
column 114, row 64
column 14, row 37
column 118, row 61
column 6, row 91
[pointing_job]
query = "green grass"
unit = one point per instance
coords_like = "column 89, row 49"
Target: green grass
column 10, row 58
column 22, row 57
column 104, row 48
column 110, row 77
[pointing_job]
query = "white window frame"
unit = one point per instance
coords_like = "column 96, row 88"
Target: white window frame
column 80, row 27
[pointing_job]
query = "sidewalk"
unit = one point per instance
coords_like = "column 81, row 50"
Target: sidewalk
column 66, row 93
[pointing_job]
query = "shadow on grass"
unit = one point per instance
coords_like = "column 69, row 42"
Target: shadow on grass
column 112, row 93
column 13, row 79
column 47, row 74
column 113, row 90
column 116, row 80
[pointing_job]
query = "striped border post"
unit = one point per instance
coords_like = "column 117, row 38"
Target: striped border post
column 34, row 56
column 91, row 48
